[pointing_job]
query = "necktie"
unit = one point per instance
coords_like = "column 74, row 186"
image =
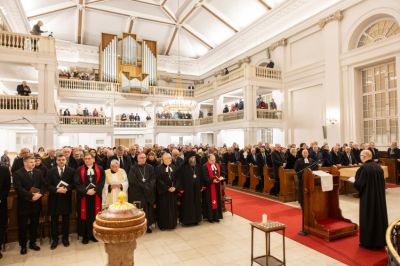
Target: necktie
column 121, row 162
column 30, row 173
column 61, row 172
column 350, row 159
column 264, row 159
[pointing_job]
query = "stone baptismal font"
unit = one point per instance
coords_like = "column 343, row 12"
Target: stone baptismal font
column 118, row 227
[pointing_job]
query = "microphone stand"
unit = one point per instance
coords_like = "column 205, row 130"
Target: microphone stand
column 304, row 232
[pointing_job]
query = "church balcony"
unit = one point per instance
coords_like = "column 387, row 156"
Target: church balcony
column 88, row 85
column 26, row 42
column 130, row 124
column 269, row 114
column 256, row 75
column 161, row 122
column 231, row 116
column 203, row 121
column 84, row 121
column 18, row 103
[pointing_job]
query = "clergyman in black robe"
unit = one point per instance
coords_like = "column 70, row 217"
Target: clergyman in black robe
column 167, row 215
column 370, row 183
column 301, row 164
column 142, row 183
column 212, row 200
column 190, row 175
column 89, row 181
column 5, row 184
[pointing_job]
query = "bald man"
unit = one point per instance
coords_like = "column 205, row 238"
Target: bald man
column 370, row 183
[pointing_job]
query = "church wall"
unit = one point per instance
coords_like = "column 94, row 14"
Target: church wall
column 91, row 139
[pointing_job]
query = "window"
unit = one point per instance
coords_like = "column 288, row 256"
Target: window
column 380, row 115
column 378, row 31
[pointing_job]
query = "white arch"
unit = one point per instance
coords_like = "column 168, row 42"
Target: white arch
column 359, row 24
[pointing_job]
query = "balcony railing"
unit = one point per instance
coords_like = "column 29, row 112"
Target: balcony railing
column 234, row 75
column 231, row 116
column 174, row 122
column 26, row 42
column 265, row 73
column 14, row 102
column 171, row 91
column 204, row 121
column 88, row 85
column 269, row 114
column 84, row 120
column 129, row 124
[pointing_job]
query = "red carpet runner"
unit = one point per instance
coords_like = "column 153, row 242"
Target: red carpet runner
column 345, row 250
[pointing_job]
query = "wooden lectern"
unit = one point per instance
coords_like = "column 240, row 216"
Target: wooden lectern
column 322, row 215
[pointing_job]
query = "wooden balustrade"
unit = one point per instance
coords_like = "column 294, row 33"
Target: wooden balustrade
column 84, row 120
column 171, row 91
column 204, row 121
column 17, row 102
column 269, row 114
column 174, row 122
column 26, row 42
column 392, row 243
column 88, row 85
column 205, row 87
column 231, row 116
column 232, row 76
column 265, row 73
column 130, row 124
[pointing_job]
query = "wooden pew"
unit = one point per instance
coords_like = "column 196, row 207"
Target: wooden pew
column 268, row 182
column 392, row 169
column 322, row 214
column 288, row 187
column 254, row 177
column 232, row 172
column 243, row 171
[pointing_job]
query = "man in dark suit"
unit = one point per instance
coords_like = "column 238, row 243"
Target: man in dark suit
column 70, row 160
column 314, row 152
column 23, row 89
column 374, row 151
column 29, row 185
column 355, row 150
column 229, row 157
column 262, row 159
column 348, row 157
column 19, row 160
column 124, row 161
column 5, row 184
column 59, row 182
column 176, row 159
column 50, row 161
column 278, row 160
column 393, row 151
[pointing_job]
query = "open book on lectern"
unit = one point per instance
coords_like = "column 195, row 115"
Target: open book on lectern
column 326, row 180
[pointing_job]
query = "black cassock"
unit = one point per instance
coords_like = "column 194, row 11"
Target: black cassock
column 87, row 214
column 142, row 183
column 190, row 183
column 370, row 183
column 167, row 215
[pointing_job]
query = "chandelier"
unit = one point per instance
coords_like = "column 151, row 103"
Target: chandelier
column 179, row 104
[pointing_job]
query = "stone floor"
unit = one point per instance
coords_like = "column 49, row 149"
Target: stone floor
column 226, row 243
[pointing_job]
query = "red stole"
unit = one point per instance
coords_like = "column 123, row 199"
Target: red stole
column 97, row 198
column 212, row 185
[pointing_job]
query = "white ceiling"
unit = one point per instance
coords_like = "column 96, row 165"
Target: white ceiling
column 199, row 26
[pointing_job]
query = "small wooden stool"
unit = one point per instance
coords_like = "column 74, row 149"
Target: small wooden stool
column 228, row 199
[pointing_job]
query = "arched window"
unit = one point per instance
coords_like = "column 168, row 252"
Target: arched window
column 379, row 30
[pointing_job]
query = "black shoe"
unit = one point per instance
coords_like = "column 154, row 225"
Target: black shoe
column 149, row 231
column 54, row 244
column 216, row 220
column 85, row 241
column 210, row 221
column 1, row 255
column 65, row 242
column 94, row 239
column 34, row 247
column 23, row 251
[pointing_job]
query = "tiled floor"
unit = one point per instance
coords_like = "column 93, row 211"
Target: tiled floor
column 226, row 243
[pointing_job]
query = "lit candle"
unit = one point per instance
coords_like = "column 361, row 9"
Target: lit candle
column 264, row 218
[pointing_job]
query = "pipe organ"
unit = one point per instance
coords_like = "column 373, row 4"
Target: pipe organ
column 129, row 61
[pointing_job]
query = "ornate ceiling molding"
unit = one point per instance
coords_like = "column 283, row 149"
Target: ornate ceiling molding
column 281, row 42
column 338, row 15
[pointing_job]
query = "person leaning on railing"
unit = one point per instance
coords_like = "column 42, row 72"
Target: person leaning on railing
column 24, row 90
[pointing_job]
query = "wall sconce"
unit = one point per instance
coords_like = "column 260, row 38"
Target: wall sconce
column 332, row 121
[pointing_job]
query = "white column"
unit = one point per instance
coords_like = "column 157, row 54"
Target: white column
column 45, row 134
column 49, row 87
column 249, row 99
column 398, row 87
column 41, row 87
column 332, row 82
column 250, row 136
column 217, row 107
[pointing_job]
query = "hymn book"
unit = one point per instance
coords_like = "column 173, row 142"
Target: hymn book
column 62, row 184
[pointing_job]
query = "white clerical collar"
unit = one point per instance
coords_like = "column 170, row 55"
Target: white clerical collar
column 168, row 169
column 213, row 167
column 306, row 160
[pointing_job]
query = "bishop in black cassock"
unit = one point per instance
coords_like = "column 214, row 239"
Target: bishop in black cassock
column 166, row 189
column 89, row 180
column 190, row 175
column 142, row 183
column 370, row 183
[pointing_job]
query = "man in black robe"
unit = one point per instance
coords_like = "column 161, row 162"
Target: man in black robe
column 370, row 183
column 89, row 180
column 50, row 161
column 166, row 188
column 190, row 175
column 142, row 183
column 278, row 160
column 212, row 199
column 176, row 159
column 18, row 162
column 29, row 184
column 5, row 184
column 59, row 182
